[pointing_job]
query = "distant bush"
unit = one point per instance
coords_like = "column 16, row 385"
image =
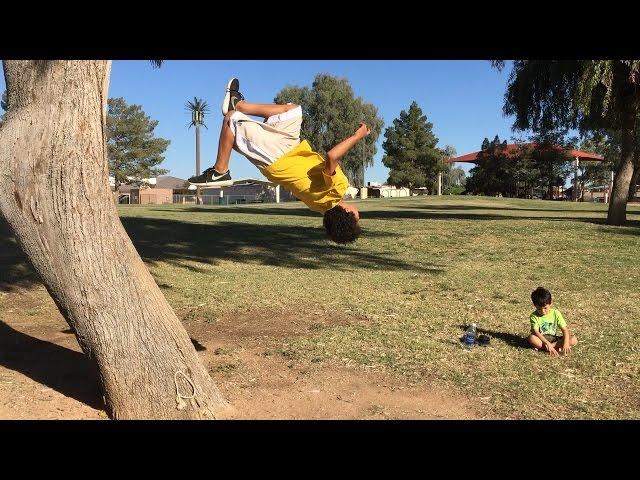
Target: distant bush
column 453, row 190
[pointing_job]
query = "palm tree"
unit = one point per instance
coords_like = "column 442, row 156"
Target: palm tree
column 198, row 108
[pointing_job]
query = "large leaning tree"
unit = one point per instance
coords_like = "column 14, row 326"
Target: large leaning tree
column 54, row 193
column 587, row 94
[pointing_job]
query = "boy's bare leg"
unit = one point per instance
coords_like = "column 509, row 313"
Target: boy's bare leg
column 573, row 341
column 227, row 138
column 534, row 341
column 264, row 110
column 225, row 145
column 537, row 344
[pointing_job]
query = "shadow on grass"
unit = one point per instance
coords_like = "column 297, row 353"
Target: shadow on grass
column 427, row 213
column 66, row 371
column 175, row 241
column 370, row 210
column 506, row 208
column 277, row 245
column 508, row 338
column 423, row 212
column 288, row 246
column 234, row 209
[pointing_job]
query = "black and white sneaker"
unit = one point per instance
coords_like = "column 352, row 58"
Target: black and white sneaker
column 210, row 178
column 232, row 96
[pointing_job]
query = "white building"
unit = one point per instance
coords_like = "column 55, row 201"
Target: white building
column 387, row 191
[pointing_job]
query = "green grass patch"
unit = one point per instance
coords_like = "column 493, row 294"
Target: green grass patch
column 424, row 268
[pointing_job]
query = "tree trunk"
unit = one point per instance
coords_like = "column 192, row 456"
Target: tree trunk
column 617, row 214
column 54, row 193
column 635, row 176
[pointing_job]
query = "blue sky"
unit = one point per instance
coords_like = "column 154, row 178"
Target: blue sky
column 463, row 99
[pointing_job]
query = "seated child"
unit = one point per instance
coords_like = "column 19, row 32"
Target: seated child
column 545, row 322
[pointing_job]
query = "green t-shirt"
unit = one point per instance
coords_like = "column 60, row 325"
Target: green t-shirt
column 547, row 324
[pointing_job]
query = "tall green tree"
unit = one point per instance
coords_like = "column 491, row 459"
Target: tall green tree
column 454, row 181
column 524, row 173
column 453, row 178
column 518, row 173
column 410, row 149
column 491, row 174
column 554, row 166
column 606, row 144
column 134, row 151
column 332, row 113
column 585, row 94
column 635, row 177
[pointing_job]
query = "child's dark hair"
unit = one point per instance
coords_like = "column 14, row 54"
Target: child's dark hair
column 341, row 226
column 541, row 297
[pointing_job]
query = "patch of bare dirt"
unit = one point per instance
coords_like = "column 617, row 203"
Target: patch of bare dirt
column 44, row 375
column 43, row 372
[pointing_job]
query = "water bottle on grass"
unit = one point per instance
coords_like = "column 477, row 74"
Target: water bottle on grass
column 470, row 336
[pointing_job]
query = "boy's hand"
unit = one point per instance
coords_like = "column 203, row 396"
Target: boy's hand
column 552, row 351
column 363, row 130
column 566, row 346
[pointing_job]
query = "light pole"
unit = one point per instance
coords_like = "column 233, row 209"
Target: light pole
column 198, row 108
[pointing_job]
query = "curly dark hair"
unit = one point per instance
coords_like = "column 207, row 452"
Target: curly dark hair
column 541, row 297
column 341, row 226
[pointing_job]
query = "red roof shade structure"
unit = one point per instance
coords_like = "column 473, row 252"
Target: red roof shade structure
column 512, row 149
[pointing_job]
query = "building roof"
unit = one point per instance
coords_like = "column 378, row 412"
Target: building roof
column 167, row 181
column 511, row 150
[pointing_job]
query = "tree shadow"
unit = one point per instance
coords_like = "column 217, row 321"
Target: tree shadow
column 509, row 338
column 285, row 246
column 174, row 242
column 501, row 207
column 15, row 268
column 302, row 211
column 66, row 371
column 427, row 213
column 275, row 245
column 631, row 228
column 403, row 211
column 198, row 346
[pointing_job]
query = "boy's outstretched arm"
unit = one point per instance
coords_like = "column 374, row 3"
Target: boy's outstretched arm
column 566, row 340
column 337, row 152
column 546, row 343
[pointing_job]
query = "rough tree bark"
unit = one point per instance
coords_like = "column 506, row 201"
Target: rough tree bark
column 635, row 176
column 617, row 214
column 55, row 195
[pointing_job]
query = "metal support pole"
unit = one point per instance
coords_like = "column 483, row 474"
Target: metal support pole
column 575, row 179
